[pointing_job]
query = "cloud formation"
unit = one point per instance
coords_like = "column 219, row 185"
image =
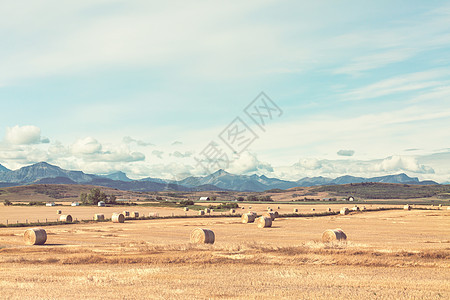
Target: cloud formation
column 129, row 140
column 86, row 146
column 178, row 154
column 398, row 163
column 24, row 135
column 346, row 152
column 248, row 163
column 158, row 153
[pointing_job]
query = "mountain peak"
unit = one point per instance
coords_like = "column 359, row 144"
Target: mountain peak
column 119, row 175
column 220, row 172
column 4, row 169
column 44, row 164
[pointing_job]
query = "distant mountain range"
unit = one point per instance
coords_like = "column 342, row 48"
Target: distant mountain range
column 45, row 173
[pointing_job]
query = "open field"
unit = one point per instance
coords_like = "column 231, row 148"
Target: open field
column 389, row 254
column 30, row 214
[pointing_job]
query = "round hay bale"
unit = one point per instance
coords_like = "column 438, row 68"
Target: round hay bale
column 202, row 236
column 278, row 207
column 355, row 208
column 313, row 209
column 263, row 222
column 232, row 211
column 117, row 218
column 207, row 210
column 248, row 218
column 249, row 207
column 363, row 208
column 331, row 235
column 35, row 236
column 270, row 215
column 135, row 214
column 407, row 207
column 99, row 217
column 295, row 210
column 58, row 212
column 186, row 209
column 242, row 207
column 65, row 218
column 344, row 211
column 329, row 208
column 269, row 209
column 201, row 212
column 126, row 213
column 276, row 214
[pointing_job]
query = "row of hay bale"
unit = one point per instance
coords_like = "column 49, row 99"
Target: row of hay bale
column 409, row 207
column 207, row 236
column 127, row 214
column 346, row 210
column 38, row 236
column 116, row 217
column 261, row 222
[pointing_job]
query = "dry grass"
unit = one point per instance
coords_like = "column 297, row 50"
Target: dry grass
column 154, row 259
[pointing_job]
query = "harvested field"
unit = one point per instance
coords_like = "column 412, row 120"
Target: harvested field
column 154, row 258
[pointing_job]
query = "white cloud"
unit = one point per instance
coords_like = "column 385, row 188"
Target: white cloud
column 398, row 163
column 117, row 156
column 313, row 167
column 403, row 83
column 158, row 153
column 23, row 135
column 171, row 171
column 178, row 154
column 309, row 164
column 346, row 152
column 248, row 163
column 129, row 140
column 87, row 145
column 376, row 60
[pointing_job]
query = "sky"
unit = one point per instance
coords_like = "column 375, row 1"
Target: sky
column 170, row 89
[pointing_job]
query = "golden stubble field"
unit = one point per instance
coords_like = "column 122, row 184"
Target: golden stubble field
column 22, row 214
column 389, row 254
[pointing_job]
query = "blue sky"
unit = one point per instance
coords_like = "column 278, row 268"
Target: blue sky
column 144, row 86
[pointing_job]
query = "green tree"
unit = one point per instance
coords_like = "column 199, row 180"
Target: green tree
column 111, row 199
column 252, row 198
column 7, row 202
column 96, row 195
column 83, row 198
